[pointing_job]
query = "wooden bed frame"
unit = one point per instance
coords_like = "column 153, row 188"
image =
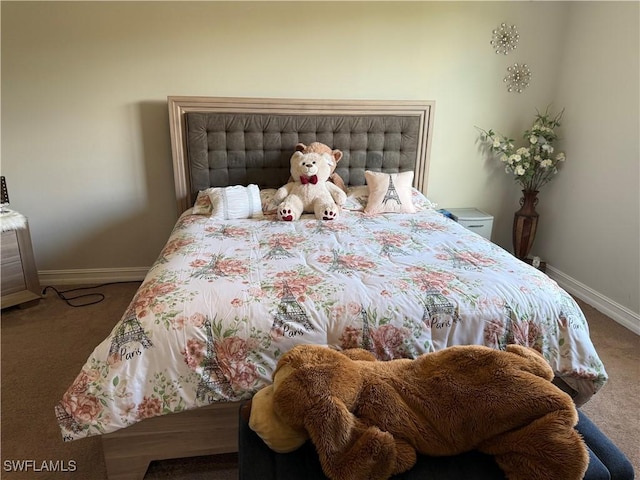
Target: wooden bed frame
column 214, row 429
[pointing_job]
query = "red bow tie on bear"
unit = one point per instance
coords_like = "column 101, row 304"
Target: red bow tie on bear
column 312, row 179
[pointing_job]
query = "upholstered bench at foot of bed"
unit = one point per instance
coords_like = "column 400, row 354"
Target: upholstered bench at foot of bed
column 257, row 461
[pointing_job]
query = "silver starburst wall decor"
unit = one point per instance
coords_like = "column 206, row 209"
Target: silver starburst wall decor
column 518, row 77
column 505, row 39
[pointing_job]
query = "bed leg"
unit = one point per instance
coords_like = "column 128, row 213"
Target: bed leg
column 122, row 467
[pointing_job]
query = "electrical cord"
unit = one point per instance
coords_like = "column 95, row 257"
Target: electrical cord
column 97, row 296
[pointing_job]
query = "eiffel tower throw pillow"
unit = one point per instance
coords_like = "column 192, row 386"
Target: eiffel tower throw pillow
column 389, row 192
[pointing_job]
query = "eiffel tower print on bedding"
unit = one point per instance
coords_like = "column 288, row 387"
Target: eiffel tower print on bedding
column 128, row 332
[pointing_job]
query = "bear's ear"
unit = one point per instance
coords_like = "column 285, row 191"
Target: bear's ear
column 276, row 433
column 301, row 147
column 337, row 155
column 297, row 156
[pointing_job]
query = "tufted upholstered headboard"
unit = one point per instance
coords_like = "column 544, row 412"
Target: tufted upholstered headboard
column 220, row 141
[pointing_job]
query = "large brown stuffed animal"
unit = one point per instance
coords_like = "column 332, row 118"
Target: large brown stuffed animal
column 367, row 419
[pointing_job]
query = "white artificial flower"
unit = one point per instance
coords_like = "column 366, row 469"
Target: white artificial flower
column 534, row 164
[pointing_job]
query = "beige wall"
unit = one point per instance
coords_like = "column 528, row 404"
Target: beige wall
column 85, row 144
column 591, row 212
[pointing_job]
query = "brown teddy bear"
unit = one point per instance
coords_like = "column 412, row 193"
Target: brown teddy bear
column 367, row 419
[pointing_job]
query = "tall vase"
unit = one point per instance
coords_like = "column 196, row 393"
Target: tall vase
column 525, row 223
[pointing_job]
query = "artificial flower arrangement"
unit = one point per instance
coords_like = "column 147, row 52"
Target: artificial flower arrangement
column 534, row 165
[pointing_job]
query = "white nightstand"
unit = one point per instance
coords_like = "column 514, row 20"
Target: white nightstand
column 474, row 220
column 19, row 283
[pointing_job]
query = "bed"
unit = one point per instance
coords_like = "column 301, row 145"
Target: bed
column 234, row 288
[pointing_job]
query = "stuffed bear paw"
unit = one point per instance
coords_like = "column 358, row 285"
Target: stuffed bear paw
column 329, row 214
column 372, row 456
column 326, row 210
column 286, row 214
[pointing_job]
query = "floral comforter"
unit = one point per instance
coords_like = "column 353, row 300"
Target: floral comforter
column 225, row 299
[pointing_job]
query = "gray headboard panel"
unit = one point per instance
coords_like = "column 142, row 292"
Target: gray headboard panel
column 238, row 141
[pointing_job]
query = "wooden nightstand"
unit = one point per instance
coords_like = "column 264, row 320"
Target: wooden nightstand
column 19, row 283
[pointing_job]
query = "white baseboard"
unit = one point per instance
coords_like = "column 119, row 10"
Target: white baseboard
column 91, row 276
column 611, row 309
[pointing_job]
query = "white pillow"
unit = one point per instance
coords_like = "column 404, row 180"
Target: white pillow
column 235, row 202
column 389, row 192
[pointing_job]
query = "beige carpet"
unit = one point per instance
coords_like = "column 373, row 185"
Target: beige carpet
column 44, row 347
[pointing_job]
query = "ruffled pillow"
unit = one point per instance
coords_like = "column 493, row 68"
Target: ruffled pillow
column 229, row 203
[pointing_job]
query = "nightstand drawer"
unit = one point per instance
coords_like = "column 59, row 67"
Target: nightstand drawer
column 474, row 220
column 10, row 248
column 482, row 228
column 18, row 275
column 12, row 277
